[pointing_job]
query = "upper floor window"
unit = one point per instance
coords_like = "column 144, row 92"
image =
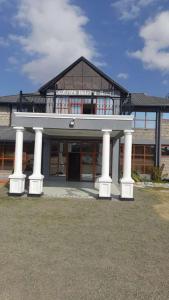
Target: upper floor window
column 165, row 116
column 144, row 120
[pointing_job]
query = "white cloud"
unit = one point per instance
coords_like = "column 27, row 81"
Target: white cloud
column 123, row 75
column 55, row 36
column 130, row 9
column 155, row 53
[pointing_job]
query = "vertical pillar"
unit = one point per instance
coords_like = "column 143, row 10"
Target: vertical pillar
column 105, row 180
column 17, row 179
column 126, row 183
column 36, row 179
column 158, row 139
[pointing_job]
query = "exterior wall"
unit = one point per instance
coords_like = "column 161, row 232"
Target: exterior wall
column 165, row 141
column 165, row 161
column 4, row 115
column 165, row 131
column 144, row 136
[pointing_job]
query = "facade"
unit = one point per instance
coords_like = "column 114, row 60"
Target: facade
column 79, row 127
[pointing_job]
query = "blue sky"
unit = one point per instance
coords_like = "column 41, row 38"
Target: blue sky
column 127, row 39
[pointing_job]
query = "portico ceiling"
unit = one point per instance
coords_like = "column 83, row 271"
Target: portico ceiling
column 67, row 133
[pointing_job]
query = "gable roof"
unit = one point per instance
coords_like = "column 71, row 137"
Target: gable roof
column 51, row 82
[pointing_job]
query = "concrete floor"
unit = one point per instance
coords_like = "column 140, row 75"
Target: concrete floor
column 60, row 188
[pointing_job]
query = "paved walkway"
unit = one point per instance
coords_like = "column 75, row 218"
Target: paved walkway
column 60, row 188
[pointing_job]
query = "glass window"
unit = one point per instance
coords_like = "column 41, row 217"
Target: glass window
column 139, row 124
column 140, row 115
column 165, row 116
column 165, row 150
column 87, row 147
column 150, row 124
column 143, row 158
column 75, row 147
column 150, row 116
column 145, row 120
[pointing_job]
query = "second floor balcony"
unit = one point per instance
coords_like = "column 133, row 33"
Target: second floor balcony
column 103, row 104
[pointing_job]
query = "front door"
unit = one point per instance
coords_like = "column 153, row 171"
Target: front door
column 73, row 166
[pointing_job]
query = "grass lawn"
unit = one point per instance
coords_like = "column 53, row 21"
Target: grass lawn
column 85, row 249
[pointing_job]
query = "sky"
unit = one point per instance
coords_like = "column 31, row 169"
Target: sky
column 127, row 39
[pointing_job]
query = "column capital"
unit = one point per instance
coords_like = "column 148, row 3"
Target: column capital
column 128, row 131
column 19, row 128
column 38, row 128
column 106, row 130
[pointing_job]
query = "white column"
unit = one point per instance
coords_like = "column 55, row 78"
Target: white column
column 17, row 179
column 36, row 179
column 105, row 180
column 127, row 181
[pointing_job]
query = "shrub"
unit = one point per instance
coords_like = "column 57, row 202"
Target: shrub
column 157, row 174
column 136, row 176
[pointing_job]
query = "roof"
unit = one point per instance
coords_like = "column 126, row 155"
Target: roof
column 27, row 98
column 51, row 82
column 9, row 99
column 8, row 134
column 140, row 99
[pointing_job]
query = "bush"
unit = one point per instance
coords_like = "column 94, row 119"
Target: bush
column 136, row 176
column 157, row 174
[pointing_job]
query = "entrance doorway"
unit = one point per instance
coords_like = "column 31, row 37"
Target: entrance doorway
column 89, row 108
column 73, row 172
column 76, row 160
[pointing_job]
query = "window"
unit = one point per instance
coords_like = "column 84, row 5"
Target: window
column 165, row 116
column 143, row 158
column 144, row 120
column 165, row 150
column 7, row 154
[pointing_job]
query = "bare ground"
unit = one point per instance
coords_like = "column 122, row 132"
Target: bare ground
column 85, row 249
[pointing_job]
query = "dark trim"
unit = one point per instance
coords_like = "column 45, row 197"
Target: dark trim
column 104, row 198
column 51, row 82
column 35, row 195
column 126, row 199
column 158, row 139
column 16, row 195
column 150, row 108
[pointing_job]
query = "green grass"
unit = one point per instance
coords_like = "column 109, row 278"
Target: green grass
column 84, row 249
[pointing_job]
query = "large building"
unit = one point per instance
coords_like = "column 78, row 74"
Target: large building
column 79, row 127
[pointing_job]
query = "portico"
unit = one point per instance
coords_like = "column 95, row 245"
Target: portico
column 49, row 125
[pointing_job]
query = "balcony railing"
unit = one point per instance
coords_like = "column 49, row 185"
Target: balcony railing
column 63, row 104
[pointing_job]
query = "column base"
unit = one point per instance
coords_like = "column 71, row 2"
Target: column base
column 105, row 187
column 17, row 184
column 126, row 189
column 36, row 185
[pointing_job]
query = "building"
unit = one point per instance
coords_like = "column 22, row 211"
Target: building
column 79, row 126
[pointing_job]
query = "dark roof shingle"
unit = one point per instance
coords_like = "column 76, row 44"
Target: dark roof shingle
column 140, row 99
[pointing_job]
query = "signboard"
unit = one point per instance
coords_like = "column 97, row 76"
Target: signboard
column 83, row 93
